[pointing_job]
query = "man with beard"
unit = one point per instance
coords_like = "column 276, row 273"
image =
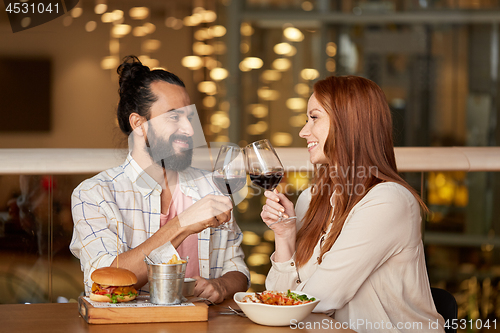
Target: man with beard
column 156, row 198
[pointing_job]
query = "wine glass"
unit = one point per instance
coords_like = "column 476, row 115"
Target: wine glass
column 229, row 172
column 265, row 169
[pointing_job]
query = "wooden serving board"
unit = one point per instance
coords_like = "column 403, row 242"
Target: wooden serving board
column 151, row 314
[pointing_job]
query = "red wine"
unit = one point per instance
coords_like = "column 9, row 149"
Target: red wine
column 230, row 185
column 268, row 180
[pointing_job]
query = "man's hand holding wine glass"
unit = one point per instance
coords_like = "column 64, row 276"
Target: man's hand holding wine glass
column 210, row 211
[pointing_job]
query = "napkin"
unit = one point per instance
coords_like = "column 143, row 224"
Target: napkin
column 164, row 253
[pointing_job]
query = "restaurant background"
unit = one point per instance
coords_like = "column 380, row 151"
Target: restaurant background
column 249, row 66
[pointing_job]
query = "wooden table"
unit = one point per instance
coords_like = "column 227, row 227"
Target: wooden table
column 64, row 318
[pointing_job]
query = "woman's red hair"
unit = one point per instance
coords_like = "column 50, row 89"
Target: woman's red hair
column 360, row 154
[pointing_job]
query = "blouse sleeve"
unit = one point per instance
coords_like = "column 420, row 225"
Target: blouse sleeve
column 283, row 275
column 380, row 226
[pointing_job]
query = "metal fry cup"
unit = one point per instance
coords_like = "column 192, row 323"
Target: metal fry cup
column 166, row 282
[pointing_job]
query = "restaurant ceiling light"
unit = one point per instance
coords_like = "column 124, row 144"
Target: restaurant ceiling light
column 110, row 62
column 196, row 18
column 220, row 119
column 209, row 101
column 192, row 62
column 258, row 259
column 250, row 238
column 282, row 64
column 139, row 31
column 293, row 34
column 170, row 21
column 76, row 12
column 253, row 62
column 178, row 25
column 309, row 74
column 100, row 8
column 296, row 103
column 218, row 74
column 90, row 26
column 144, row 58
column 151, row 45
column 107, row 18
column 217, row 30
column 188, row 21
column 282, row 48
column 200, row 48
column 25, row 22
column 114, row 46
column 117, row 14
column 211, row 63
column 246, row 29
column 208, row 16
column 151, row 63
column 139, row 13
column 215, row 128
column 302, row 89
column 256, row 278
column 219, row 47
column 243, row 67
column 282, row 139
column 224, row 106
column 292, row 52
column 331, row 49
column 202, row 34
column 207, row 87
column 258, row 110
column 244, row 47
column 120, row 30
column 67, row 20
column 271, row 75
column 298, row 120
column 150, row 27
column 243, row 206
column 307, row 6
column 258, row 128
column 268, row 94
column 331, row 65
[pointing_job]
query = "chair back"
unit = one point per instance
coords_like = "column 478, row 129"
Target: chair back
column 446, row 305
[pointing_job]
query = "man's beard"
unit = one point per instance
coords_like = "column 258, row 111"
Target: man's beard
column 162, row 152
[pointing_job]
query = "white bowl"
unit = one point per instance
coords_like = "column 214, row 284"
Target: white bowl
column 275, row 315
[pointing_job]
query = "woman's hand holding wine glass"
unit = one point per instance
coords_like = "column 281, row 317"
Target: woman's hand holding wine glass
column 265, row 170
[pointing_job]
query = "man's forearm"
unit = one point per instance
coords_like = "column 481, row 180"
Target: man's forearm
column 133, row 260
column 233, row 282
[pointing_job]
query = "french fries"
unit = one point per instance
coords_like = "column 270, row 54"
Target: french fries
column 175, row 260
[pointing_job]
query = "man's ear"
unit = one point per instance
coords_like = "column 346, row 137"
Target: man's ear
column 135, row 121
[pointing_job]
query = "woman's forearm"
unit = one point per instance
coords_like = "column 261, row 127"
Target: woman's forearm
column 285, row 247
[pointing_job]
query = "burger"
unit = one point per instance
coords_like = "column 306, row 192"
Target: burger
column 113, row 285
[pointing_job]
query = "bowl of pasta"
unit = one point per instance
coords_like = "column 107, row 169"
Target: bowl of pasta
column 274, row 308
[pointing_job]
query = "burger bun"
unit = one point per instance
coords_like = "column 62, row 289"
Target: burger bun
column 112, row 276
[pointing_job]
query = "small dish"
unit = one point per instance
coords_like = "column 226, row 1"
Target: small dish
column 188, row 287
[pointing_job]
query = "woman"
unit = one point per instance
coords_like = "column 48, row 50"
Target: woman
column 357, row 243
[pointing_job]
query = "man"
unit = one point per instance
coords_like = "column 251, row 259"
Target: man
column 155, row 197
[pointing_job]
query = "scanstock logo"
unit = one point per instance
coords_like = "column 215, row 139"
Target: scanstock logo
column 26, row 14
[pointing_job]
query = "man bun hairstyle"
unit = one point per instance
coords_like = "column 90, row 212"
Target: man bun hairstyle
column 135, row 89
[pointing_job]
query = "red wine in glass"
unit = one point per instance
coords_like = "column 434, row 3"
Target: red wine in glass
column 229, row 172
column 265, row 168
column 267, row 180
column 229, row 185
